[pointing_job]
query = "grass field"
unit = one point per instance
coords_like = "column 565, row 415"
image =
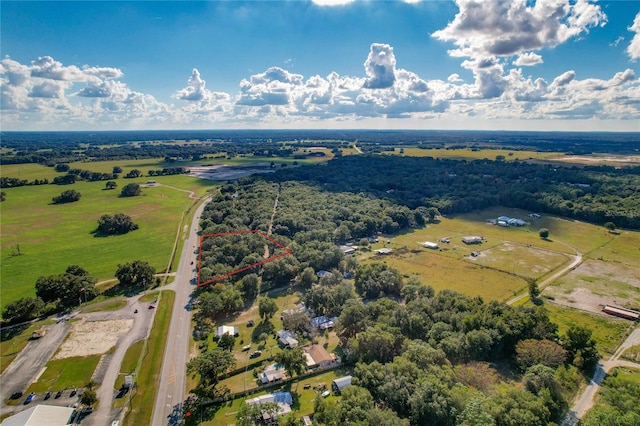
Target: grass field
column 107, row 305
column 607, row 331
column 51, row 237
column 149, row 370
column 623, row 248
column 66, row 374
column 475, row 154
column 508, row 258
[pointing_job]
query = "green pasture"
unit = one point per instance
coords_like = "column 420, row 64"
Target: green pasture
column 632, row 353
column 624, row 247
column 521, row 260
column 608, row 332
column 65, row 373
column 565, row 235
column 442, row 272
column 14, row 341
column 474, row 154
column 51, row 237
column 149, row 368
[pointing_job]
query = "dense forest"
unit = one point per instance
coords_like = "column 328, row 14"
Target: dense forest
column 596, row 194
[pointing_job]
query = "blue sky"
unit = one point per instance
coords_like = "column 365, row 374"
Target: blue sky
column 465, row 64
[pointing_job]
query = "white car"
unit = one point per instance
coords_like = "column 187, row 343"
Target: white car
column 326, row 393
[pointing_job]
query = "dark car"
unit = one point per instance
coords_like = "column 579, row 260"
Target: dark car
column 58, row 394
column 47, row 395
column 16, row 395
column 73, row 392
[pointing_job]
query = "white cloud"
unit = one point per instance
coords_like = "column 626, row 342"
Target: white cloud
column 510, row 27
column 454, row 78
column 195, row 90
column 380, row 67
column 53, row 95
column 633, row 50
column 528, row 59
column 331, row 2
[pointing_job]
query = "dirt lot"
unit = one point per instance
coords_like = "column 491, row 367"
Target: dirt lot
column 596, row 283
column 92, row 337
column 223, row 172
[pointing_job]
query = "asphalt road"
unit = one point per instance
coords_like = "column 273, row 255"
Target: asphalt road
column 106, row 393
column 171, row 389
column 26, row 367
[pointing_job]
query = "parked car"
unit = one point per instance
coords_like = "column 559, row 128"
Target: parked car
column 326, row 394
column 73, row 392
column 16, row 395
column 152, row 306
column 47, row 395
column 29, row 398
column 255, row 354
column 58, row 394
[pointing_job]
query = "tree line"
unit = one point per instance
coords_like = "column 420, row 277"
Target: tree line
column 596, row 194
column 75, row 286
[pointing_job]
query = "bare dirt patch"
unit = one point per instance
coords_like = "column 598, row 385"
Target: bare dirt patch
column 92, row 337
column 224, row 172
column 596, row 283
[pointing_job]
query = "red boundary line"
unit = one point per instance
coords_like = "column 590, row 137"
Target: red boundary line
column 287, row 251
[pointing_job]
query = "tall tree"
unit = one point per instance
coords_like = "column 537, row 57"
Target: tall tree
column 293, row 360
column 131, row 190
column 137, row 274
column 210, row 366
column 267, row 307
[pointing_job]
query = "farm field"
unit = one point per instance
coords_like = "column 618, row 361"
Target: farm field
column 475, row 154
column 506, row 260
column 442, row 273
column 51, row 237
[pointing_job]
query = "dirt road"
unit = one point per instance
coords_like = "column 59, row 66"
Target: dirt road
column 577, row 260
column 28, row 365
column 584, row 401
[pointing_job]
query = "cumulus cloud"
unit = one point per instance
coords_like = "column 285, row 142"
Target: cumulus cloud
column 564, row 78
column 528, row 59
column 380, row 67
column 271, row 87
column 510, row 27
column 633, row 50
column 454, row 78
column 195, row 90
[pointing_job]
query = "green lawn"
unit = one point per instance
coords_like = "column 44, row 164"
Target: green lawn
column 52, row 237
column 66, row 373
column 130, row 362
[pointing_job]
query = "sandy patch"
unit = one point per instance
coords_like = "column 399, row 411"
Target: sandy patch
column 92, row 337
column 224, row 172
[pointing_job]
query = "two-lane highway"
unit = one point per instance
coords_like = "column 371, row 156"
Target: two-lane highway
column 171, row 387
